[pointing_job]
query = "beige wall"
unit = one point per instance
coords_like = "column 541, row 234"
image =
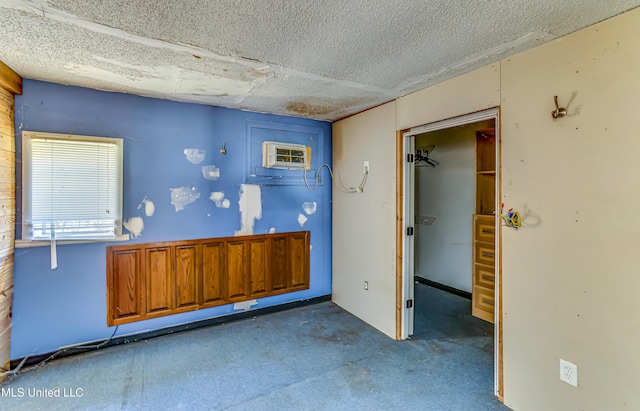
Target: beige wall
column 571, row 275
column 364, row 233
column 474, row 91
column 571, row 278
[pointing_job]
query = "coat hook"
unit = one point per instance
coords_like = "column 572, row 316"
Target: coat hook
column 223, row 150
column 559, row 112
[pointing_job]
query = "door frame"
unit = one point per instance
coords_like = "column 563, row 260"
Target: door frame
column 405, row 198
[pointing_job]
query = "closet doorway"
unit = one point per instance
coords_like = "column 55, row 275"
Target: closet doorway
column 448, row 225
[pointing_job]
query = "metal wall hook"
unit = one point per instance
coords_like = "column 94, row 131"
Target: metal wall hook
column 559, row 112
column 223, row 150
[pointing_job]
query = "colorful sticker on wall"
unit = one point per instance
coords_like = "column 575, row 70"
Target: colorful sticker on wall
column 182, row 196
column 134, row 225
column 149, row 207
column 250, row 208
column 194, row 155
column 211, row 172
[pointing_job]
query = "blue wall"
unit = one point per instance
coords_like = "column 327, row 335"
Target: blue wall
column 53, row 308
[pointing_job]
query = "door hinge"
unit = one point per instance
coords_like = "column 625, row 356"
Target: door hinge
column 409, row 230
column 409, row 303
column 410, row 158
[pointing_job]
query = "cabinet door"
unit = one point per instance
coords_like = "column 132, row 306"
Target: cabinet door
column 298, row 263
column 279, row 263
column 237, row 280
column 160, row 283
column 258, row 261
column 124, row 286
column 187, row 275
column 214, row 273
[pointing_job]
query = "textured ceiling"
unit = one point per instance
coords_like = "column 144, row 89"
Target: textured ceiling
column 323, row 59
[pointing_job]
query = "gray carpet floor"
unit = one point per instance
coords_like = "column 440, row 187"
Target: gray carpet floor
column 317, row 357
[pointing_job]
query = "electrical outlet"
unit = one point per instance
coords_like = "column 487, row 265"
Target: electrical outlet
column 365, row 168
column 366, row 285
column 569, row 373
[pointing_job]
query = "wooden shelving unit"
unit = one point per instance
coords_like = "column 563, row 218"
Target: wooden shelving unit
column 484, row 226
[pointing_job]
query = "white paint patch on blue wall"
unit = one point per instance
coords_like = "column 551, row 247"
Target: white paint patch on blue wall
column 211, row 172
column 302, row 219
column 134, row 225
column 272, row 230
column 250, row 203
column 194, row 155
column 309, row 207
column 149, row 207
column 218, row 198
column 245, row 305
column 182, row 196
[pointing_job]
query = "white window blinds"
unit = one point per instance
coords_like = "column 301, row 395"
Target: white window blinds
column 72, row 187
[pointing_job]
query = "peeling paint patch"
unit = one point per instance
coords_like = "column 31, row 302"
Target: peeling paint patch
column 272, row 230
column 310, row 247
column 194, row 155
column 250, row 208
column 211, row 172
column 171, row 80
column 309, row 207
column 149, row 207
column 245, row 305
column 218, row 198
column 182, row 196
column 302, row 219
column 134, row 225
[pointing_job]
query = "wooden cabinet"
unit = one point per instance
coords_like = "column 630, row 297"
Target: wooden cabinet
column 124, row 285
column 484, row 226
column 214, row 279
column 187, row 272
column 156, row 279
column 483, row 267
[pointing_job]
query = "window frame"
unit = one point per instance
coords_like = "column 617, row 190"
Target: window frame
column 27, row 136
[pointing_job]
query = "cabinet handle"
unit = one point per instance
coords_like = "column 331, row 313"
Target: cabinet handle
column 485, row 301
column 488, row 278
column 488, row 255
column 486, row 231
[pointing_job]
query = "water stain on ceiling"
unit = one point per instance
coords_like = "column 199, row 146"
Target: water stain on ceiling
column 324, row 60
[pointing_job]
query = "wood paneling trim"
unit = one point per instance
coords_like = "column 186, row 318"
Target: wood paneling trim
column 157, row 279
column 10, row 84
column 10, row 80
column 399, row 230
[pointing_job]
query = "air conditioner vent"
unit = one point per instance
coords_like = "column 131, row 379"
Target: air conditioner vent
column 286, row 155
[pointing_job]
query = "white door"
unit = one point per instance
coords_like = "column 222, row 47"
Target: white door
column 409, row 236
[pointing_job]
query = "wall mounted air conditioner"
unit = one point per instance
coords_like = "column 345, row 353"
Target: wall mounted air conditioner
column 286, row 155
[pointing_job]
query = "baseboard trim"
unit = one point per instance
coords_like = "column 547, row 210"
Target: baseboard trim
column 444, row 287
column 130, row 338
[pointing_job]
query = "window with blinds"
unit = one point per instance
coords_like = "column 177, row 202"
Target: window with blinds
column 72, row 187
